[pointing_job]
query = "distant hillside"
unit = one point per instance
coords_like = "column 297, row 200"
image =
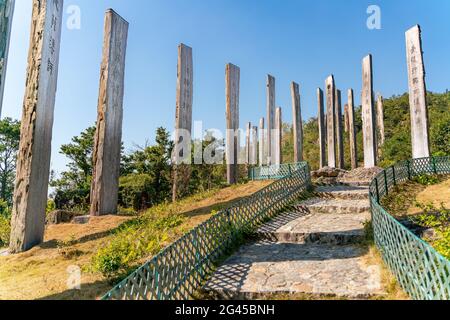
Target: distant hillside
column 397, row 127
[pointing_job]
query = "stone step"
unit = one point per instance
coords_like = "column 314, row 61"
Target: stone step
column 337, row 206
column 266, row 267
column 343, row 192
column 336, row 229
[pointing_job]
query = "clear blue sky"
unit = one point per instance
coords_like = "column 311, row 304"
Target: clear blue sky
column 294, row 40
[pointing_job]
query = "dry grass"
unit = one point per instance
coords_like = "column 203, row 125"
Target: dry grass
column 41, row 273
column 437, row 195
column 388, row 281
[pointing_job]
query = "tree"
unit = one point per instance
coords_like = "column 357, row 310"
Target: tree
column 146, row 173
column 9, row 146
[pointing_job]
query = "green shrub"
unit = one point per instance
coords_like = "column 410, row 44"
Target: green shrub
column 426, row 180
column 135, row 191
column 5, row 223
column 137, row 239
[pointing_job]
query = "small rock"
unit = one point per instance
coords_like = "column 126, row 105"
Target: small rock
column 81, row 220
column 60, row 216
column 429, row 234
column 328, row 172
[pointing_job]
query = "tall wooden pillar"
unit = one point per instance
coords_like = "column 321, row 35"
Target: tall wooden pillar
column 380, row 121
column 352, row 130
column 183, row 122
column 417, row 94
column 278, row 137
column 108, row 136
column 368, row 115
column 346, row 125
column 254, row 147
column 339, row 133
column 33, row 163
column 297, row 122
column 248, row 150
column 262, row 146
column 331, row 92
column 232, row 83
column 270, row 150
column 322, row 129
column 6, row 18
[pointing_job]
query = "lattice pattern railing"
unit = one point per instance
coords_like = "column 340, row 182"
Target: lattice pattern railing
column 274, row 172
column 180, row 270
column 421, row 271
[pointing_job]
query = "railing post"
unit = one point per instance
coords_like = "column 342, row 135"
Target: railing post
column 393, row 175
column 290, row 169
column 434, row 165
column 386, row 182
column 408, row 166
column 378, row 190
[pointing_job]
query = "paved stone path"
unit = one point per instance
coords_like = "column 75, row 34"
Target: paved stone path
column 312, row 249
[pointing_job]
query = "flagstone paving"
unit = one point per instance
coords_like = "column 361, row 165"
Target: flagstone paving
column 313, row 248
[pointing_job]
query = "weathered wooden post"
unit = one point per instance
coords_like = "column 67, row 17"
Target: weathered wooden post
column 331, row 91
column 322, row 129
column 183, row 122
column 33, row 163
column 248, row 143
column 297, row 122
column 338, row 128
column 232, row 83
column 352, row 130
column 278, row 137
column 262, row 146
column 270, row 151
column 417, row 94
column 380, row 120
column 254, row 151
column 368, row 115
column 108, row 136
column 346, row 125
column 6, row 17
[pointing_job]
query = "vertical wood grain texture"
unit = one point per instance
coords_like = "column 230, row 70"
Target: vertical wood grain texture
column 183, row 121
column 33, row 163
column 322, row 129
column 6, row 18
column 108, row 135
column 417, row 94
column 262, row 146
column 330, row 96
column 352, row 130
column 339, row 131
column 297, row 122
column 270, row 119
column 368, row 115
column 232, row 87
column 278, row 135
column 380, row 121
column 248, row 135
column 254, row 146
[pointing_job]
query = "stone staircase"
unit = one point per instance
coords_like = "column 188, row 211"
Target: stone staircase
column 313, row 248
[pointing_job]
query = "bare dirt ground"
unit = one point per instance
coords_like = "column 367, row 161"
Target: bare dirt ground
column 42, row 273
column 438, row 195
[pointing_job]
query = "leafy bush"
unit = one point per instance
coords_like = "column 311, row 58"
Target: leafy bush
column 138, row 239
column 439, row 220
column 5, row 230
column 135, row 191
column 5, row 223
column 427, row 180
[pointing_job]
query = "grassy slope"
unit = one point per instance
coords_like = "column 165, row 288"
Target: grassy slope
column 41, row 273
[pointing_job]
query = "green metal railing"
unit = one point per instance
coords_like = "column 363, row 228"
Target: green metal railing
column 181, row 269
column 420, row 270
column 274, row 172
